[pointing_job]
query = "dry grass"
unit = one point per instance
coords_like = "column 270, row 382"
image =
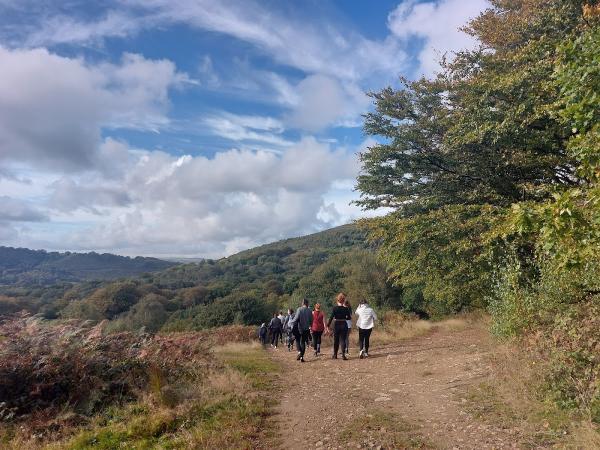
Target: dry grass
column 510, row 398
column 396, row 326
column 379, row 429
column 193, row 398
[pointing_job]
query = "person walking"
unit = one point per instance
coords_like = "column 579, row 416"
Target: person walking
column 364, row 323
column 287, row 328
column 317, row 328
column 301, row 328
column 349, row 323
column 281, row 317
column 340, row 314
column 275, row 327
column 262, row 334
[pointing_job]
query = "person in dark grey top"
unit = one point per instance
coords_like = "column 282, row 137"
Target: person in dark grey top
column 275, row 328
column 301, row 328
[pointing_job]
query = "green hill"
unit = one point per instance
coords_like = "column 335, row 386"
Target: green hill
column 245, row 288
column 25, row 266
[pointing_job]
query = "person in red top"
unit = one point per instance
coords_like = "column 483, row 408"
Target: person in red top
column 317, row 328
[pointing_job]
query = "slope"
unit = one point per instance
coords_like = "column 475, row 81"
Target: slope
column 25, row 266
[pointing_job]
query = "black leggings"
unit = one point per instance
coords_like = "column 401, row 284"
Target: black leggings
column 317, row 340
column 363, row 338
column 340, row 335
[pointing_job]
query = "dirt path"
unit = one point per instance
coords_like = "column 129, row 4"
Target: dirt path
column 420, row 383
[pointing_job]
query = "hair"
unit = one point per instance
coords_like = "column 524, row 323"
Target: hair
column 347, row 303
column 291, row 310
column 341, row 297
column 281, row 313
column 317, row 307
column 305, row 302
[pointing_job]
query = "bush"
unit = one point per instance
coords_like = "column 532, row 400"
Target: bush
column 71, row 366
column 558, row 313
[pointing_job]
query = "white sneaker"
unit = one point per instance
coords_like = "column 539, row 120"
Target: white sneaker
column 361, row 354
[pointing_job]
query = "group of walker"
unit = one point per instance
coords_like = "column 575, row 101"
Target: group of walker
column 305, row 325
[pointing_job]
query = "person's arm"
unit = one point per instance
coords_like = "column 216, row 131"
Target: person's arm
column 374, row 315
column 325, row 327
column 348, row 314
column 331, row 317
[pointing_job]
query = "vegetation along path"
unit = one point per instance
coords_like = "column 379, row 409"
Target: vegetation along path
column 411, row 394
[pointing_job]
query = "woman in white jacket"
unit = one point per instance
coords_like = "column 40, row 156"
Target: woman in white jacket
column 365, row 323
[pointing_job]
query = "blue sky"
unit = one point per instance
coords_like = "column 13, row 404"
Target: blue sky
column 195, row 127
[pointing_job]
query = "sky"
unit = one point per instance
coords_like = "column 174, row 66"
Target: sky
column 197, row 128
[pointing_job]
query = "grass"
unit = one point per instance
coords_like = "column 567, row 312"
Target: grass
column 380, row 429
column 511, row 398
column 395, row 327
column 225, row 408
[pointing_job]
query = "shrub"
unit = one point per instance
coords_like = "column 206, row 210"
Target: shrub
column 46, row 369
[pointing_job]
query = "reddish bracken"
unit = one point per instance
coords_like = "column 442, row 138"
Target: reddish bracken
column 46, row 368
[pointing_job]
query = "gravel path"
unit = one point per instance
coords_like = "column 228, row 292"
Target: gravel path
column 422, row 381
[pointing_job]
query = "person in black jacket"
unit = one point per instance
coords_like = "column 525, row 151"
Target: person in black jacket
column 340, row 314
column 275, row 327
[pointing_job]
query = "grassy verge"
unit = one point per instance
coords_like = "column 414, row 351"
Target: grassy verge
column 395, row 326
column 380, row 429
column 225, row 408
column 512, row 398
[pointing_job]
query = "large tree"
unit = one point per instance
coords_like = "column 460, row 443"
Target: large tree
column 481, row 136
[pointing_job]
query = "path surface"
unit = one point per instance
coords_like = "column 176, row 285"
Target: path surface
column 422, row 381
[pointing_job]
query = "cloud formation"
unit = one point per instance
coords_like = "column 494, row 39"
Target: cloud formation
column 73, row 112
column 438, row 23
column 53, row 108
column 209, row 206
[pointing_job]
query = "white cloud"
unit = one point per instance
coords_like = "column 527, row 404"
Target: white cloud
column 61, row 28
column 55, row 120
column 324, row 101
column 162, row 204
column 246, row 128
column 437, row 22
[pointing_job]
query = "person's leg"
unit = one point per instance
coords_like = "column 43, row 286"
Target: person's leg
column 367, row 337
column 361, row 339
column 297, row 340
column 344, row 340
column 318, row 337
column 336, row 341
column 347, row 340
column 304, row 338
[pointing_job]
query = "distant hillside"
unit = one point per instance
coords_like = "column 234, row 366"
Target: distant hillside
column 285, row 261
column 24, row 266
column 244, row 288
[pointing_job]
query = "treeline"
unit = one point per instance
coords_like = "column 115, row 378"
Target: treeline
column 245, row 288
column 492, row 169
column 22, row 266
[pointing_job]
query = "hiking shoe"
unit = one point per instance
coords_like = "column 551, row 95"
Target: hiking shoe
column 301, row 359
column 334, row 357
column 344, row 358
column 366, row 355
column 361, row 354
column 299, row 356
